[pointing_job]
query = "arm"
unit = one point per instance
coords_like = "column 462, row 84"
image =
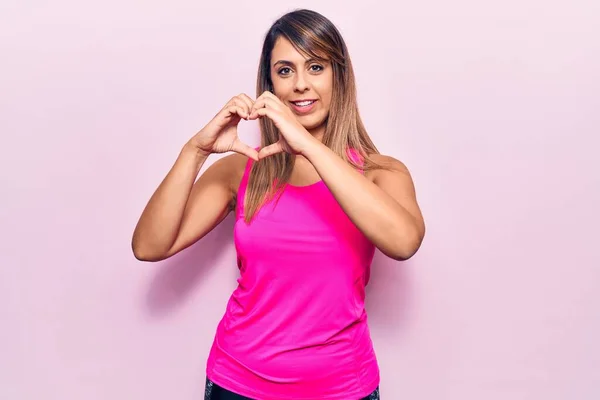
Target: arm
column 381, row 204
column 384, row 208
column 180, row 212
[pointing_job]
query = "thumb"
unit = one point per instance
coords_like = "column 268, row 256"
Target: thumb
column 243, row 148
column 270, row 150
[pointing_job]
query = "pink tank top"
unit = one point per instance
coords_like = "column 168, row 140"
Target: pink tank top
column 296, row 326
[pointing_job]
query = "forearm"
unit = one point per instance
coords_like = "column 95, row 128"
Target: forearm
column 383, row 220
column 159, row 223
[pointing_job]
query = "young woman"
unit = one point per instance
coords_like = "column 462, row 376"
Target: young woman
column 311, row 205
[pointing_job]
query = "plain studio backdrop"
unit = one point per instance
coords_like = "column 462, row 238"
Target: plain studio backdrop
column 493, row 106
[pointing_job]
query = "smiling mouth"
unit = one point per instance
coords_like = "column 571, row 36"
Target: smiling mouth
column 304, row 103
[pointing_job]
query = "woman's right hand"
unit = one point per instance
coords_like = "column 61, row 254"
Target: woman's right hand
column 220, row 134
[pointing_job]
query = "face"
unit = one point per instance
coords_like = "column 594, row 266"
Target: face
column 304, row 85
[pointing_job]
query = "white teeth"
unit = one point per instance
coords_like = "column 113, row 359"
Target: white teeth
column 303, row 103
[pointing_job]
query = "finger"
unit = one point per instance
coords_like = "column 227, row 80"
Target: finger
column 248, row 102
column 264, row 94
column 236, row 110
column 235, row 101
column 228, row 115
column 270, row 150
column 232, row 102
column 262, row 104
column 243, row 148
column 272, row 96
column 267, row 97
column 264, row 112
column 267, row 93
column 246, row 98
column 242, row 104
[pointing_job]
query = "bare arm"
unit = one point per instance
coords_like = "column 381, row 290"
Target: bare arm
column 181, row 212
column 382, row 204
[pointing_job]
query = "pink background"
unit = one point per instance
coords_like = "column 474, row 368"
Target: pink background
column 495, row 108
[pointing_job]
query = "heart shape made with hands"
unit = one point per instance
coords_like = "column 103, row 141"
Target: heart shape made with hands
column 293, row 137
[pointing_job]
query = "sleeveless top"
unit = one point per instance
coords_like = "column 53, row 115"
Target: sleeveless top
column 296, row 326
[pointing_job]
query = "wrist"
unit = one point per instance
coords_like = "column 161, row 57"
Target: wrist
column 191, row 149
column 312, row 148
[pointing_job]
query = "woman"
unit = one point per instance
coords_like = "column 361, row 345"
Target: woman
column 311, row 205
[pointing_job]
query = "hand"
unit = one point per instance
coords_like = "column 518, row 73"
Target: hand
column 220, row 134
column 294, row 138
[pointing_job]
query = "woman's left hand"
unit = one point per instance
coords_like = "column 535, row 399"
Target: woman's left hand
column 294, row 138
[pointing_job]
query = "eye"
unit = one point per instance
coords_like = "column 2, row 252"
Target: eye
column 284, row 71
column 316, row 68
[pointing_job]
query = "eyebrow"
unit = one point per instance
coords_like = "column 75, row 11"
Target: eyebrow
column 308, row 61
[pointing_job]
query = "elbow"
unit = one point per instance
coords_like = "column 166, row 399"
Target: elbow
column 147, row 257
column 144, row 254
column 401, row 254
column 406, row 247
column 143, row 257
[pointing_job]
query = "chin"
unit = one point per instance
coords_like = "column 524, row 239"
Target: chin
column 310, row 122
column 310, row 127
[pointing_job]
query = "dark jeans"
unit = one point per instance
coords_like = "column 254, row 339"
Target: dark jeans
column 213, row 391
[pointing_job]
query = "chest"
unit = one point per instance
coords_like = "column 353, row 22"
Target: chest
column 303, row 224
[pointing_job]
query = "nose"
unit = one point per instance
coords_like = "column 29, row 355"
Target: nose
column 301, row 85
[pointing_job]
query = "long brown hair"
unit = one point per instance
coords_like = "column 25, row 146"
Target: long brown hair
column 316, row 36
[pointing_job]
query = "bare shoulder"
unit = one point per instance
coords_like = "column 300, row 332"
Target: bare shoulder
column 395, row 179
column 231, row 168
column 389, row 164
column 388, row 161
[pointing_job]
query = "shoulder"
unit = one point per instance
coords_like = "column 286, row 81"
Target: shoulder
column 231, row 168
column 388, row 161
column 388, row 165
